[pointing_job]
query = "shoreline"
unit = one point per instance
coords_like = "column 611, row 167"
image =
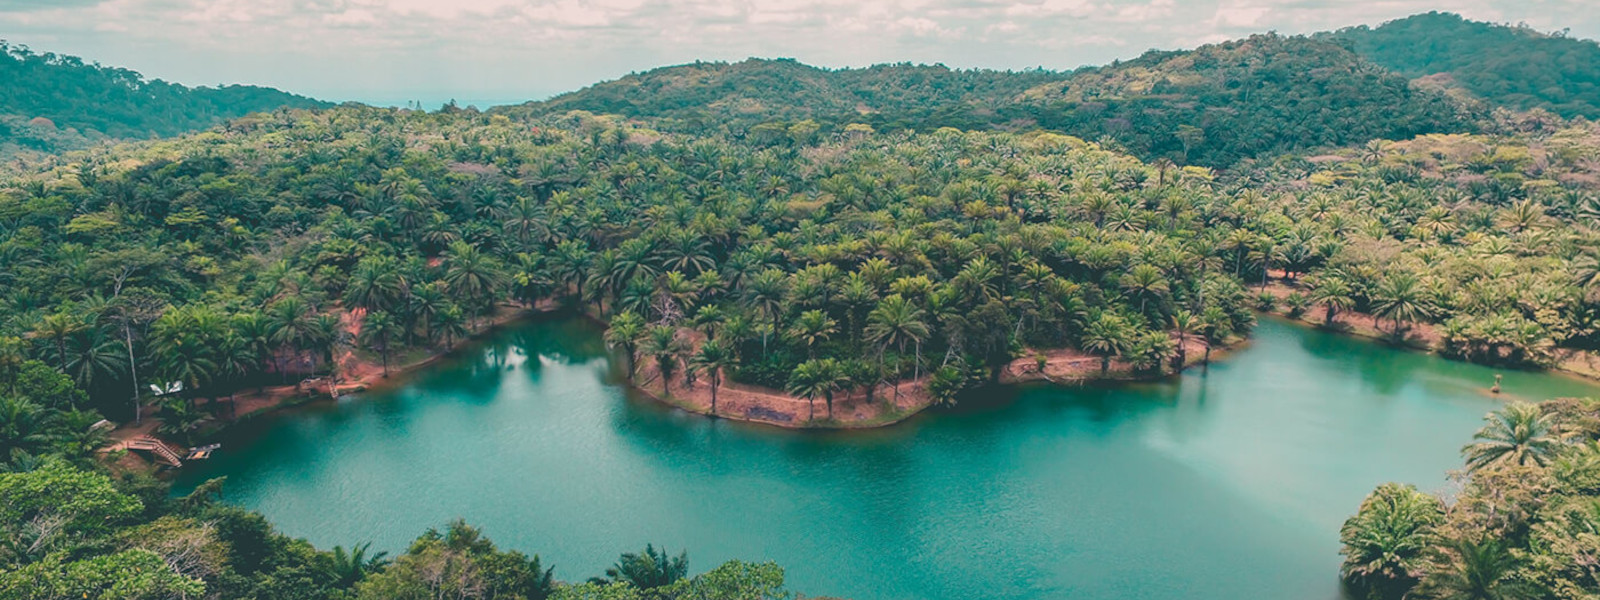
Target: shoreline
column 880, row 406
column 1420, row 337
column 360, row 375
column 856, row 408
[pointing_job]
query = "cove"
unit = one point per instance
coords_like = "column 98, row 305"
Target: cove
column 1224, row 483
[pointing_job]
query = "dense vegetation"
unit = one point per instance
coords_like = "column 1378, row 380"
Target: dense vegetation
column 1211, row 106
column 53, row 102
column 1512, row 67
column 769, row 223
column 1522, row 525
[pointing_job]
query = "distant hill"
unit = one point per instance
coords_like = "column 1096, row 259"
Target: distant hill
column 1515, row 67
column 1210, row 106
column 53, row 102
column 759, row 90
column 1224, row 102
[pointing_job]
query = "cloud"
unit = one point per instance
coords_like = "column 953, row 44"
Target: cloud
column 515, row 49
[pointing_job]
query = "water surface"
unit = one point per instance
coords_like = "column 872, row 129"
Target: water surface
column 1225, row 484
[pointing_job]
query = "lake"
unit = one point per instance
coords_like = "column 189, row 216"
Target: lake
column 1223, row 483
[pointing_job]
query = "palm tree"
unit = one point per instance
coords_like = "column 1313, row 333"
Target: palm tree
column 1184, row 324
column 1519, row 434
column 348, row 568
column 375, row 285
column 767, row 292
column 1217, row 326
column 424, row 306
column 624, row 332
column 812, row 329
column 650, row 569
column 1106, row 337
column 24, row 427
column 896, row 322
column 330, row 339
column 1385, row 542
column 661, row 341
column 817, row 377
column 1475, row 570
column 57, row 328
column 451, row 326
column 291, row 320
column 471, row 274
column 1333, row 294
column 379, row 330
column 184, row 340
column 713, row 357
column 1144, row 282
column 1400, row 298
column 94, row 356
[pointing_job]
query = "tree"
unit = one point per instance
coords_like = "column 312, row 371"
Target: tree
column 813, row 328
column 57, row 327
column 649, row 569
column 1401, row 299
column 376, row 284
column 1184, row 325
column 817, row 377
column 1107, row 336
column 379, row 329
column 1475, row 570
column 472, row 275
column 1217, row 326
column 1519, row 434
column 1386, row 542
column 1333, row 294
column 898, row 323
column 713, row 357
column 623, row 332
column 347, row 568
column 661, row 342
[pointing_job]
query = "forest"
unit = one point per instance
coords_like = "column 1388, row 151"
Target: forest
column 1513, row 67
column 1212, row 106
column 886, row 225
column 56, row 103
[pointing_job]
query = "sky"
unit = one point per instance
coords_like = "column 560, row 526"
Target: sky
column 487, row 52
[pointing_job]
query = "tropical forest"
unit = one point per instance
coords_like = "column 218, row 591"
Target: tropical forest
column 1282, row 316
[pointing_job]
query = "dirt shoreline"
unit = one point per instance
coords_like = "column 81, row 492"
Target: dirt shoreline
column 861, row 408
column 358, row 374
column 1421, row 337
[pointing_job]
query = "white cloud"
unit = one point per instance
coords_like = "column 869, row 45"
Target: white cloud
column 514, row 49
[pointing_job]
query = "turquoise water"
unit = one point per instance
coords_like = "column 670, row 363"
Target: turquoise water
column 1227, row 483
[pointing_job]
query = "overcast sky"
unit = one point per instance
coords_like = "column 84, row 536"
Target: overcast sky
column 497, row 51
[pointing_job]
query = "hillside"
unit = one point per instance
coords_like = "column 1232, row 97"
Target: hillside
column 1515, row 67
column 759, row 90
column 55, row 102
column 1211, row 106
column 1221, row 103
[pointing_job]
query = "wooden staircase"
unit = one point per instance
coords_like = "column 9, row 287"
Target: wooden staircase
column 159, row 449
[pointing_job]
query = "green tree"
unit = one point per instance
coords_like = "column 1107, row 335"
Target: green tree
column 1519, row 434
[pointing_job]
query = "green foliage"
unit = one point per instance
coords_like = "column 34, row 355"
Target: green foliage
column 1511, row 66
column 1522, row 526
column 1211, row 106
column 55, row 102
column 458, row 562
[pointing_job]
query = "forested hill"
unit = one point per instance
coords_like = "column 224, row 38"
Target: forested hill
column 1210, row 106
column 1220, row 103
column 1515, row 67
column 54, row 102
column 760, row 90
